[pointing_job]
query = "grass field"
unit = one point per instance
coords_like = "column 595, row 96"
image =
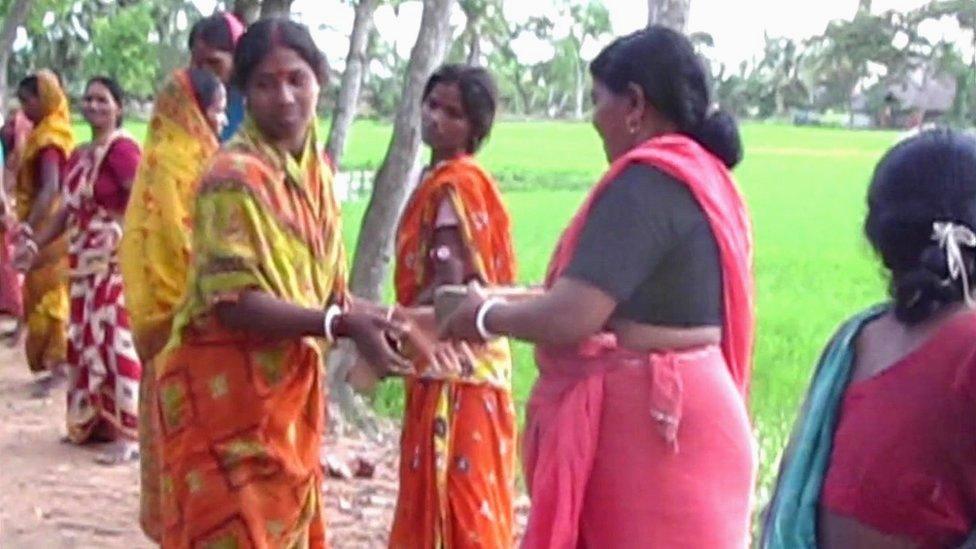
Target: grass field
column 805, row 189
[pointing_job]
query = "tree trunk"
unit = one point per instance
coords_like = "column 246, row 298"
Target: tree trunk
column 474, row 53
column 580, row 84
column 247, row 10
column 16, row 15
column 271, row 8
column 400, row 167
column 670, row 13
column 390, row 188
column 352, row 81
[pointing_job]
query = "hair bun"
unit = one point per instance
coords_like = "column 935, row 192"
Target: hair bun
column 922, row 291
column 718, row 133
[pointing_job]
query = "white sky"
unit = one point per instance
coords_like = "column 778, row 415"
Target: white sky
column 737, row 25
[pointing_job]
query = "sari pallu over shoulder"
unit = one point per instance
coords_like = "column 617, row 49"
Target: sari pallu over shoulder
column 559, row 450
column 791, row 519
column 155, row 251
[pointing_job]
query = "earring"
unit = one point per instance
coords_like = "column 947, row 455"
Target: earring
column 632, row 128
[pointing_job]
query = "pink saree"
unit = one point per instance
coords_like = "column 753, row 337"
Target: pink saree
column 623, row 449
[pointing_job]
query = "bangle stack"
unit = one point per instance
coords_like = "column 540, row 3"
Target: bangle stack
column 481, row 317
column 332, row 313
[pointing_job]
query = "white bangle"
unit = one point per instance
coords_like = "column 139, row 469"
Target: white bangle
column 482, row 315
column 332, row 312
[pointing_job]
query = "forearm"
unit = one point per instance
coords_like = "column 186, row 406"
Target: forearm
column 261, row 313
column 542, row 320
column 42, row 205
column 52, row 230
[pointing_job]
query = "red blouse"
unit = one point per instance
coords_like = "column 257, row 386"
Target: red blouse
column 904, row 455
column 114, row 180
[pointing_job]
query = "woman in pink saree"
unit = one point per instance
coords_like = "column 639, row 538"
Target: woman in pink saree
column 636, row 432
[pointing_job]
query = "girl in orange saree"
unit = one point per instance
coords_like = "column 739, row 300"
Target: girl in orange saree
column 154, row 254
column 457, row 453
column 39, row 181
column 239, row 385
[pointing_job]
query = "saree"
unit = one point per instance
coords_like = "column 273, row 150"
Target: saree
column 791, row 520
column 840, row 457
column 241, row 415
column 17, row 130
column 154, row 253
column 710, row 465
column 103, row 368
column 45, row 286
column 457, row 449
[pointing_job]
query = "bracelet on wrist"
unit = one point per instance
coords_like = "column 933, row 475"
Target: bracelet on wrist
column 332, row 314
column 481, row 317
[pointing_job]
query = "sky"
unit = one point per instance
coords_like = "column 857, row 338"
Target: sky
column 738, row 26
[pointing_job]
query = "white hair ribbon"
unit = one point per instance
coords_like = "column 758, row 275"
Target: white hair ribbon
column 951, row 237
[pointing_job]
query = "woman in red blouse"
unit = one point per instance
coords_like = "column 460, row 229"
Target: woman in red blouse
column 884, row 451
column 104, row 369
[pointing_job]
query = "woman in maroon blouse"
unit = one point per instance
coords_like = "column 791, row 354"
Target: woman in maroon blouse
column 104, row 369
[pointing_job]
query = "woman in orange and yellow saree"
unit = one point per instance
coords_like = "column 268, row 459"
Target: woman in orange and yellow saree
column 154, row 254
column 239, row 385
column 38, row 189
column 458, row 453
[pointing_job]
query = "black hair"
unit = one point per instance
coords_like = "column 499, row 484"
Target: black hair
column 479, row 97
column 205, row 86
column 264, row 36
column 214, row 31
column 925, row 179
column 115, row 90
column 664, row 64
column 30, row 85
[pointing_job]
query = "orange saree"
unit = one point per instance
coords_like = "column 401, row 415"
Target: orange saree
column 458, row 453
column 241, row 415
column 46, row 285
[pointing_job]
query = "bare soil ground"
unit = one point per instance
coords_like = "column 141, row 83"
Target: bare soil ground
column 54, row 495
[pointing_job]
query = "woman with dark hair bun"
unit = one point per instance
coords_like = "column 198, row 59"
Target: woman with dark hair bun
column 454, row 229
column 239, row 386
column 103, row 367
column 636, row 431
column 884, row 451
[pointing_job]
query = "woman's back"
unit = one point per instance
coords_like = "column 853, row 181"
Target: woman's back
column 900, row 469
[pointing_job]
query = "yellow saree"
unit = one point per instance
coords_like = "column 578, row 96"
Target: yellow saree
column 242, row 415
column 46, row 285
column 154, row 254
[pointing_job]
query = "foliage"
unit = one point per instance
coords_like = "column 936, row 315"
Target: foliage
column 136, row 41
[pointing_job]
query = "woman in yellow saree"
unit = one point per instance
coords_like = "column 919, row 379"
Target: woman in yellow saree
column 154, row 254
column 38, row 190
column 239, row 385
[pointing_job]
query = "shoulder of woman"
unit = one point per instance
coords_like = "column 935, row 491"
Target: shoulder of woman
column 232, row 169
column 123, row 145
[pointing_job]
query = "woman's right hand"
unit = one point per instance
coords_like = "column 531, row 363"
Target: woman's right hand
column 373, row 333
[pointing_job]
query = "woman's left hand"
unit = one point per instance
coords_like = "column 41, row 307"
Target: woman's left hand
column 460, row 325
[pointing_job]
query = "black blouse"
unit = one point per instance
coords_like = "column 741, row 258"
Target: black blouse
column 648, row 244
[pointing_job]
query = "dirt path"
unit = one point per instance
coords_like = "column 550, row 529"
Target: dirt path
column 53, row 495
